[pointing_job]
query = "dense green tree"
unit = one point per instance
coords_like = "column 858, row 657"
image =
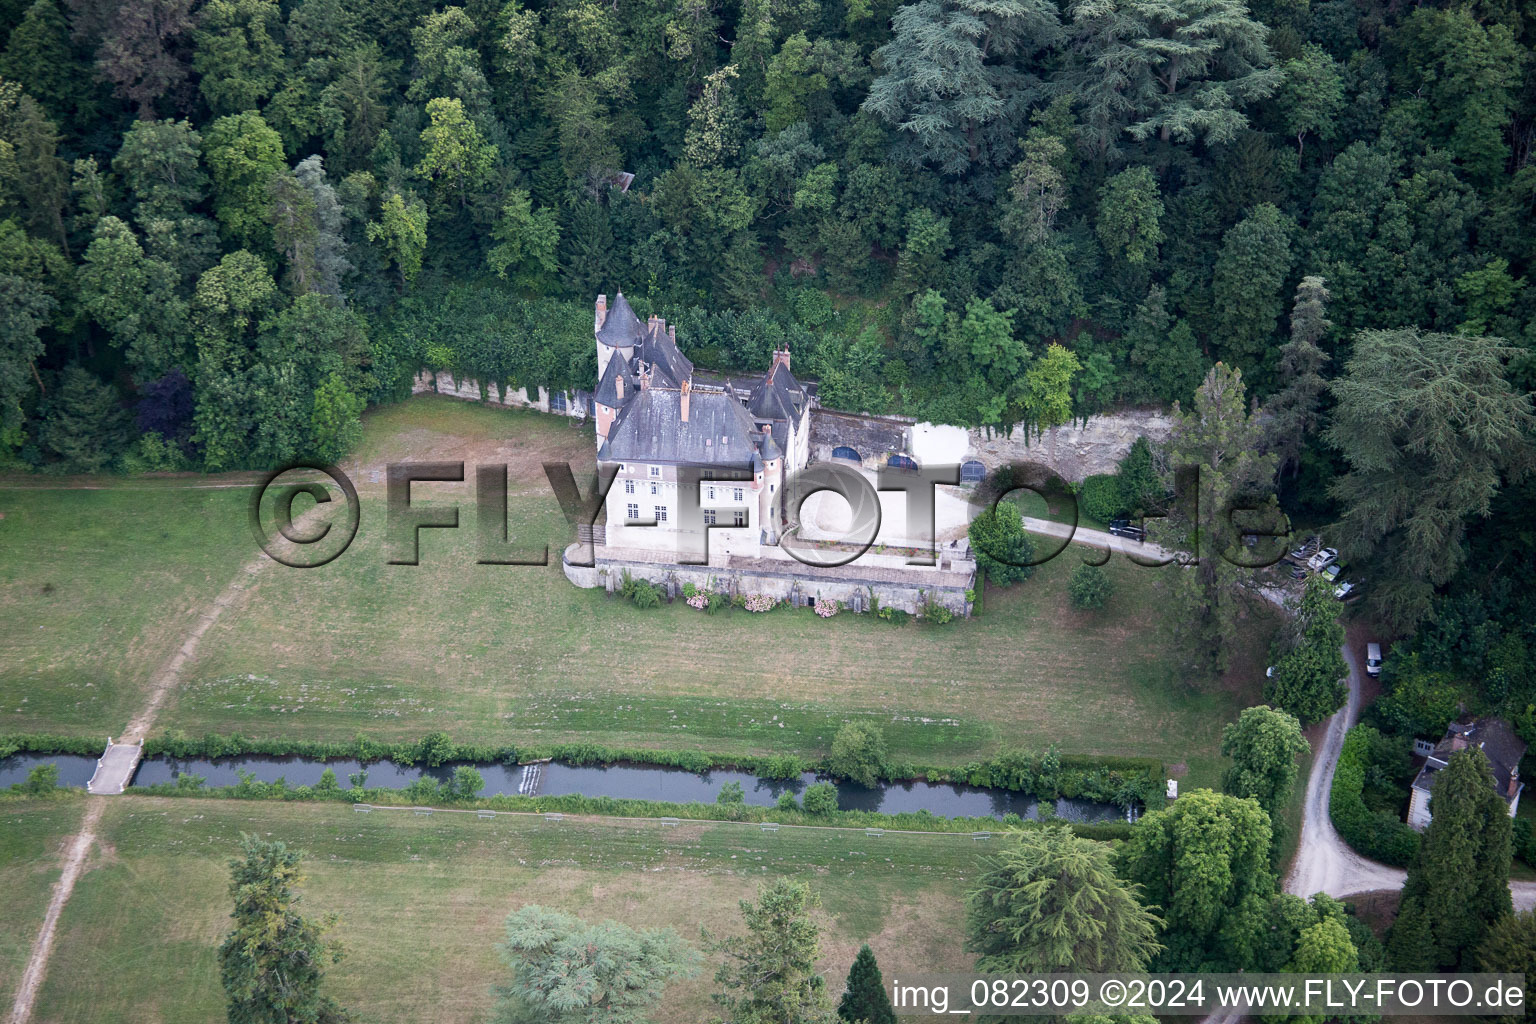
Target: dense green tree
column 86, row 426
column 447, row 63
column 239, row 53
column 1130, row 210
column 1000, row 544
column 567, row 971
column 1430, row 428
column 402, row 230
column 527, row 240
column 457, row 159
column 1312, row 96
column 947, row 82
column 272, row 963
column 1510, row 948
column 1205, row 863
column 769, row 974
column 1309, row 677
column 36, row 179
column 1294, row 410
column 1248, row 285
column 133, row 297
column 1178, row 71
column 858, row 753
column 140, row 46
column 28, row 307
column 864, row 998
column 159, row 161
column 1049, row 902
column 1264, row 744
column 243, row 153
column 1458, row 883
column 40, row 58
column 1220, row 437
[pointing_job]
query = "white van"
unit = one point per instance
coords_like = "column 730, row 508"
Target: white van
column 1373, row 659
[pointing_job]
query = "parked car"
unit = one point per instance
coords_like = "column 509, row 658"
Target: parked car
column 1304, row 551
column 1333, row 571
column 1323, row 559
column 1269, row 673
column 1373, row 659
column 1126, row 528
column 1298, row 572
column 1347, row 591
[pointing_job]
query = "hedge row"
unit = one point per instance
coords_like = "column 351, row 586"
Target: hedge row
column 47, row 743
column 1375, row 834
column 922, row 821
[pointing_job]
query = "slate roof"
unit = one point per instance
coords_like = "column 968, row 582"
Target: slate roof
column 669, row 367
column 608, row 387
column 621, row 328
column 1498, row 741
column 778, row 399
column 651, row 429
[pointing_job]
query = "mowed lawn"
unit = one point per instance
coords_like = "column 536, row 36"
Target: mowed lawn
column 33, row 835
column 515, row 654
column 421, row 901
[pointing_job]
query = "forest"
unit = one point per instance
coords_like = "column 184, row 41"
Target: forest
column 229, row 226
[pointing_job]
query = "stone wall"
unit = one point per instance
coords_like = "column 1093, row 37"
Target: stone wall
column 1075, row 450
column 444, row 384
column 787, row 585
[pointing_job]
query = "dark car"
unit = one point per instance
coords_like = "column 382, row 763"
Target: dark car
column 1126, row 528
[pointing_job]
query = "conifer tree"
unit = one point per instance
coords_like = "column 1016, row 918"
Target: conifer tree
column 865, row 998
column 1293, row 410
column 1458, row 883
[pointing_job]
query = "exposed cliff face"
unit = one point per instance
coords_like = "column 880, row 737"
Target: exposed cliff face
column 1075, row 450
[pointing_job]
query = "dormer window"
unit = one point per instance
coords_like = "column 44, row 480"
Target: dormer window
column 656, row 471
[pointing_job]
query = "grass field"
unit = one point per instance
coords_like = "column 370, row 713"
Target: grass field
column 516, row 654
column 421, row 900
column 32, row 835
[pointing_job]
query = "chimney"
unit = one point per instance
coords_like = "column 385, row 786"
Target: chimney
column 780, row 357
column 602, row 311
column 645, row 380
column 687, row 387
column 672, row 332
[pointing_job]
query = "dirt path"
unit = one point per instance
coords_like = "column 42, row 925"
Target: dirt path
column 74, row 861
column 164, row 682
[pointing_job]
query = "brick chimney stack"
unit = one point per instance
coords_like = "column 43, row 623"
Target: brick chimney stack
column 687, row 388
column 780, row 357
column 602, row 311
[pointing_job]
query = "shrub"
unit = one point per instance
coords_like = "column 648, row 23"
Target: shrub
column 826, row 608
column 858, row 753
column 1001, row 546
column 1375, row 834
column 689, row 590
column 1089, row 587
column 467, row 782
column 43, row 778
column 820, row 798
column 699, row 601
column 935, row 612
column 640, row 592
column 760, row 603
column 783, row 766
column 787, row 801
column 731, row 793
column 1099, row 498
column 436, row 747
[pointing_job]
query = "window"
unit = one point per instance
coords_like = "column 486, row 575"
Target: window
column 653, row 487
column 709, row 517
column 557, row 401
column 736, row 494
column 711, row 491
column 633, row 511
column 656, row 471
column 740, row 517
column 661, row 513
column 972, row 472
column 629, row 487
